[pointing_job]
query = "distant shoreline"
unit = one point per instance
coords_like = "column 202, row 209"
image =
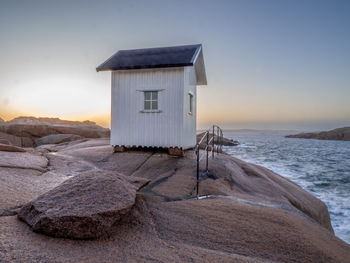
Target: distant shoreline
column 255, row 131
column 339, row 134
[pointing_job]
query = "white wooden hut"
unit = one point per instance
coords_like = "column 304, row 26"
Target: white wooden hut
column 154, row 96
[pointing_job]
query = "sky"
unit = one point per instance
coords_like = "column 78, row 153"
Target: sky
column 270, row 64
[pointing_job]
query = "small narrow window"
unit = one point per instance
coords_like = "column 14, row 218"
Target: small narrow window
column 151, row 100
column 191, row 103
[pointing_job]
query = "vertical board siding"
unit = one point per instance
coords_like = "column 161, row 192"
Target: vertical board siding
column 131, row 127
column 190, row 119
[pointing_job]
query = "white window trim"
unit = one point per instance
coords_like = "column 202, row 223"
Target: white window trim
column 150, row 111
column 143, row 90
column 153, row 98
column 143, row 100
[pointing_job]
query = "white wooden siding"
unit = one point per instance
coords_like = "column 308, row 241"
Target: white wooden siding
column 131, row 127
column 189, row 119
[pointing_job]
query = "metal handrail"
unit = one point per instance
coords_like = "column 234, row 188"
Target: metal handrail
column 209, row 142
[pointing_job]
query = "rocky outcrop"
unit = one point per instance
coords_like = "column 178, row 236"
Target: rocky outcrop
column 26, row 131
column 41, row 130
column 52, row 122
column 246, row 213
column 21, row 185
column 340, row 134
column 23, row 160
column 223, row 141
column 10, row 148
column 83, row 207
column 23, row 177
column 174, row 178
column 57, row 138
column 14, row 140
column 4, row 141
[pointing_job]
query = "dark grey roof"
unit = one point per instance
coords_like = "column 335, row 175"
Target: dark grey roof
column 163, row 57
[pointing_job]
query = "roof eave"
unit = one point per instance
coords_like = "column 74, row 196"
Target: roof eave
column 144, row 67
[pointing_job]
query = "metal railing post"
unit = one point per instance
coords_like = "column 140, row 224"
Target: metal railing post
column 212, row 150
column 217, row 139
column 197, row 173
column 220, row 145
column 207, row 146
column 218, row 135
column 222, row 139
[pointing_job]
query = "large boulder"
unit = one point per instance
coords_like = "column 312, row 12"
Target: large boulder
column 57, row 138
column 83, row 207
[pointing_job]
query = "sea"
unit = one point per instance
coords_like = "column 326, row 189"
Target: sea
column 321, row 167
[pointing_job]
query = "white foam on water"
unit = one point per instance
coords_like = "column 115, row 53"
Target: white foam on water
column 320, row 167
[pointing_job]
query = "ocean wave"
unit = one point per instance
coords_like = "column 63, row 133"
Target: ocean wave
column 320, row 167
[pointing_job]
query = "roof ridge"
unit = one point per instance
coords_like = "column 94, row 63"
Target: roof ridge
column 195, row 55
column 155, row 57
column 149, row 48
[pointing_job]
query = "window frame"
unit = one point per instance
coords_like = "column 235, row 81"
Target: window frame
column 152, row 100
column 190, row 111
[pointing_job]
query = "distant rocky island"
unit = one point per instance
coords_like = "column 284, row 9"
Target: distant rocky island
column 339, row 134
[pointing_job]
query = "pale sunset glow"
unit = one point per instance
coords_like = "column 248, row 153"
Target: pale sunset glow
column 175, row 131
column 294, row 73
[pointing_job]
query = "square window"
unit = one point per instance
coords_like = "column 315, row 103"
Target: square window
column 150, row 100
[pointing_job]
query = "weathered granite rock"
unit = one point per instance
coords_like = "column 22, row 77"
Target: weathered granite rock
column 23, row 160
column 57, row 138
column 10, row 148
column 51, row 121
column 14, row 140
column 4, row 141
column 253, row 214
column 68, row 165
column 83, row 207
column 41, row 130
column 208, row 230
column 19, row 186
column 138, row 182
column 175, row 178
column 23, row 131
